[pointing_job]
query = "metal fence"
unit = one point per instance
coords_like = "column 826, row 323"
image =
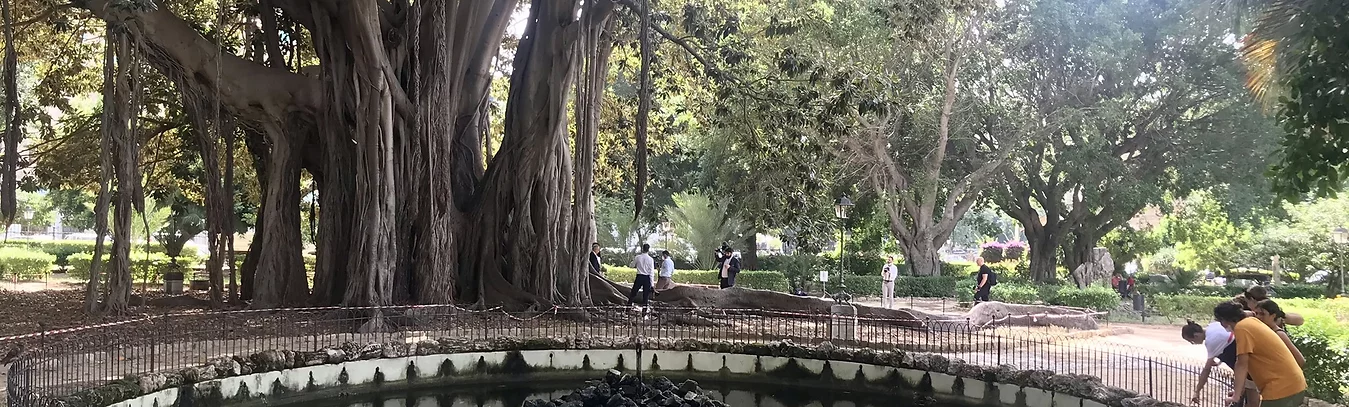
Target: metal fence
column 62, row 362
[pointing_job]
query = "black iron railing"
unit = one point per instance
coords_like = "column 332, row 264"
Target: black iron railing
column 60, row 363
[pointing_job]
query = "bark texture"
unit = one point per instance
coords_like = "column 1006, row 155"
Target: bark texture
column 13, row 118
column 520, row 245
column 92, row 295
column 126, row 159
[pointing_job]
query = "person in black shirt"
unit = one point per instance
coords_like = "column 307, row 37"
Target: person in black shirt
column 595, row 259
column 732, row 265
column 984, row 281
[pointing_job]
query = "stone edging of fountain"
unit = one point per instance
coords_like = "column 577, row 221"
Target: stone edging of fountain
column 274, row 373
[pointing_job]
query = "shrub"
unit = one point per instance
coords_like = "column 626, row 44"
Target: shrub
column 958, row 268
column 1014, row 251
column 1093, row 297
column 858, row 265
column 142, row 269
column 869, row 286
column 926, row 287
column 78, row 265
column 1299, row 291
column 799, row 269
column 1006, row 270
column 964, row 290
column 1186, row 306
column 1327, row 369
column 1014, row 293
column 757, row 279
column 1049, row 293
column 992, row 252
column 25, row 264
column 63, row 249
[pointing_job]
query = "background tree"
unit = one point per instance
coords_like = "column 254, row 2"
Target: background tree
column 1204, row 237
column 1114, row 127
column 704, row 225
column 948, row 153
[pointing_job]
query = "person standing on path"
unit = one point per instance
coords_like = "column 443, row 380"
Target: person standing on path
column 595, row 259
column 644, row 265
column 1263, row 356
column 729, row 268
column 888, row 273
column 666, row 280
column 984, row 281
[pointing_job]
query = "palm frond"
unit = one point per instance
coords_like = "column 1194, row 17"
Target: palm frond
column 1277, row 36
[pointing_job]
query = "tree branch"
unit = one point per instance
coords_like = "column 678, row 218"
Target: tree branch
column 175, row 45
column 43, row 15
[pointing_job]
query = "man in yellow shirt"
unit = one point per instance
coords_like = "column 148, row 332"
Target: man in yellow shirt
column 1262, row 355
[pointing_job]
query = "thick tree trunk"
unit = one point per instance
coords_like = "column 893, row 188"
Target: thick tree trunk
column 280, row 278
column 1043, row 259
column 126, row 160
column 1077, row 250
column 592, row 76
column 749, row 255
column 519, row 246
column 217, row 214
column 922, row 256
column 105, row 159
column 257, row 148
column 14, row 126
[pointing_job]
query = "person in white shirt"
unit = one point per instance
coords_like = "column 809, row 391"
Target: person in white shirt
column 888, row 274
column 666, row 280
column 644, row 265
column 1220, row 348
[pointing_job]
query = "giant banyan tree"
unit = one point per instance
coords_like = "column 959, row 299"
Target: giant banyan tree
column 392, row 124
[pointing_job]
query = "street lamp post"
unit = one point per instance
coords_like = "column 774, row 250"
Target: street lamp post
column 841, row 211
column 1341, row 237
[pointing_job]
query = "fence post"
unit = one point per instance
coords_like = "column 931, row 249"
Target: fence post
column 1152, row 365
column 154, row 325
column 999, row 339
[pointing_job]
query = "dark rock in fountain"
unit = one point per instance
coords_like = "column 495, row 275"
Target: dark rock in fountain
column 619, row 389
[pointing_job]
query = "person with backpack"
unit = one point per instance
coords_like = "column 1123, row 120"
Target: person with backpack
column 983, row 281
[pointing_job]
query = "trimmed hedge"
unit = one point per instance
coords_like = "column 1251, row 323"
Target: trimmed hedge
column 866, row 265
column 64, row 248
column 1299, row 291
column 141, row 268
column 1014, row 293
column 24, row 264
column 928, row 287
column 1095, row 297
column 867, row 285
column 762, row 280
column 905, row 286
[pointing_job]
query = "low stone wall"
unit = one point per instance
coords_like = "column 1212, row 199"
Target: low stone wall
column 281, row 374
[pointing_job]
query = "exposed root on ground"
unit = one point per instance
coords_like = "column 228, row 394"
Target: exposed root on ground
column 989, row 314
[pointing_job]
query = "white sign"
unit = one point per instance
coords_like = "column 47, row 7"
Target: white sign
column 824, row 276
